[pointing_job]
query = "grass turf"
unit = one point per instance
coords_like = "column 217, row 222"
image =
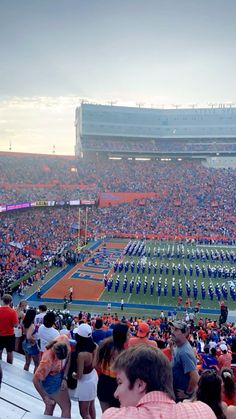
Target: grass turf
column 147, row 298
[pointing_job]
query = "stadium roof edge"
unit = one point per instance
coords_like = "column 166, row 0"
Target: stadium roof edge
column 177, row 108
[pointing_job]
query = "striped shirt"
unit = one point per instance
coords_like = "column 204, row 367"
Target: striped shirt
column 158, row 405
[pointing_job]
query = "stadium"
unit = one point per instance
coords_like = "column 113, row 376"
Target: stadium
column 138, row 225
column 159, row 179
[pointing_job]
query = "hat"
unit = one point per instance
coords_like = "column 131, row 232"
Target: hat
column 83, row 330
column 223, row 347
column 179, row 324
column 143, row 330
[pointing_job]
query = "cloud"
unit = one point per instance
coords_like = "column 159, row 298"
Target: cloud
column 34, row 124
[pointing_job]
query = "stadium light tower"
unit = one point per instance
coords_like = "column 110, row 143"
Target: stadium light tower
column 10, row 146
column 140, row 104
column 212, row 105
column 53, row 149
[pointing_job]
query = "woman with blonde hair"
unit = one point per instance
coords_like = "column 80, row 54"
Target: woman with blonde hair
column 50, row 378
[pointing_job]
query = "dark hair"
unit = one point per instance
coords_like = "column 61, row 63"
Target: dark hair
column 113, row 343
column 148, row 364
column 7, row 299
column 49, row 319
column 228, row 382
column 84, row 344
column 213, row 351
column 120, row 335
column 98, row 323
column 209, row 392
column 29, row 318
column 42, row 307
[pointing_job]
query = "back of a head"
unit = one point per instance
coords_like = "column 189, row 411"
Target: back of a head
column 49, row 319
column 98, row 323
column 209, row 392
column 206, row 349
column 213, row 351
column 29, row 317
column 120, row 331
column 42, row 308
column 228, row 382
column 7, row 299
column 60, row 349
column 148, row 364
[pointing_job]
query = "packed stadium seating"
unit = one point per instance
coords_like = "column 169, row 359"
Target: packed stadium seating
column 191, row 201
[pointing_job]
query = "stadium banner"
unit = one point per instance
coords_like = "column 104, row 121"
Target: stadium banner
column 3, row 208
column 108, row 199
column 76, row 202
column 61, row 203
column 40, row 204
column 138, row 236
column 87, row 202
column 34, row 251
column 18, row 206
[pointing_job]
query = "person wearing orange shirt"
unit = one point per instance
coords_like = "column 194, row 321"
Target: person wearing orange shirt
column 8, row 320
column 142, row 336
column 50, row 378
column 168, row 351
column 224, row 360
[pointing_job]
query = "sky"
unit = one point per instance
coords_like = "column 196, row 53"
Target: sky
column 56, row 53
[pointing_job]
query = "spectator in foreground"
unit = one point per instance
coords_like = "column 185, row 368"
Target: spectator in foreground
column 142, row 336
column 145, row 389
column 30, row 345
column 185, row 374
column 86, row 375
column 108, row 351
column 209, row 392
column 47, row 331
column 228, row 387
column 98, row 333
column 50, row 378
column 225, row 358
column 8, row 320
column 20, row 311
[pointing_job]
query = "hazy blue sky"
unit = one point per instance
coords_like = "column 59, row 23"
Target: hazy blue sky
column 56, row 52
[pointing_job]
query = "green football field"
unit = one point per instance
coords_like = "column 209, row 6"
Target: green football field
column 173, row 253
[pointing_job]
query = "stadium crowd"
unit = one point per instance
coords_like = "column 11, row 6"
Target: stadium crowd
column 31, row 244
column 179, row 180
column 30, row 237
column 165, row 360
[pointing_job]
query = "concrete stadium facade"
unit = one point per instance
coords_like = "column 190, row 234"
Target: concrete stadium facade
column 114, row 131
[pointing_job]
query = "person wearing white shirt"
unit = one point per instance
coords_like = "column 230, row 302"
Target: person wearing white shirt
column 47, row 332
